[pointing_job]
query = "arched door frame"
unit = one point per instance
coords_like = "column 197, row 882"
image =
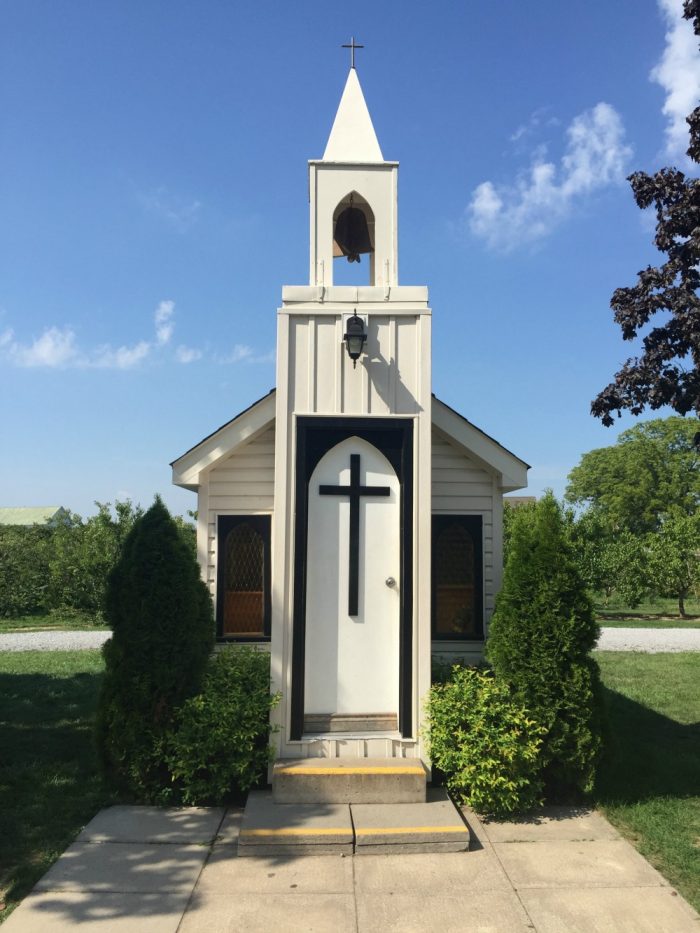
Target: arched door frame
column 394, row 438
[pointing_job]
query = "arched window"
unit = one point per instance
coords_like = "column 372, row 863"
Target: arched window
column 457, row 577
column 243, row 598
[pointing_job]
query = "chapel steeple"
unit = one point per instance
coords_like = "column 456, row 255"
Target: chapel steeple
column 353, row 181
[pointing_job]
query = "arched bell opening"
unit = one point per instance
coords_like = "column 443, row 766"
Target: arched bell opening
column 353, row 239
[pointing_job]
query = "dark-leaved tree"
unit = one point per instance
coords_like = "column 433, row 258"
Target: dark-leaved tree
column 163, row 632
column 668, row 370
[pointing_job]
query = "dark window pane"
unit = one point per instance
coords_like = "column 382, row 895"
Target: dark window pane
column 453, row 570
column 243, row 598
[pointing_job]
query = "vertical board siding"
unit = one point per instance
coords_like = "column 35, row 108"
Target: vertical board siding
column 243, row 482
column 463, row 487
column 321, row 378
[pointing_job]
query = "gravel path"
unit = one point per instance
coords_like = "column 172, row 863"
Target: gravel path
column 52, row 641
column 611, row 639
column 649, row 640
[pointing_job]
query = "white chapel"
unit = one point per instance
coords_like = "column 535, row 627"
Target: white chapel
column 349, row 522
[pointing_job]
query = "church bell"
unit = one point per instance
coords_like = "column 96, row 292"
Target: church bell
column 351, row 234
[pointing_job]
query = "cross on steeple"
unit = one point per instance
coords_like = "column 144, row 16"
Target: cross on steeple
column 352, row 46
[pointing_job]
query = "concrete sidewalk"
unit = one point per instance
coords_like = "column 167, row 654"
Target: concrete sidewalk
column 144, row 870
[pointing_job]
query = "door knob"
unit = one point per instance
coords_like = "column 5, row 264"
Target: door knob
column 390, row 581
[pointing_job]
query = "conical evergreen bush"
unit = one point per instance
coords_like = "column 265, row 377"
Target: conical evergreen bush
column 162, row 634
column 540, row 639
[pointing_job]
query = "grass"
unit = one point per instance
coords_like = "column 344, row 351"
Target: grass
column 49, row 780
column 649, row 783
column 51, row 622
column 657, row 613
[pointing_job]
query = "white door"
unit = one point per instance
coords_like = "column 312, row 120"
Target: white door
column 352, row 617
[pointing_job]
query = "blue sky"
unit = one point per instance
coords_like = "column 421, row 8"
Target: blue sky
column 153, row 201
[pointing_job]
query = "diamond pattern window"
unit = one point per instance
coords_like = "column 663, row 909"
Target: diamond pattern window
column 243, row 598
column 457, row 595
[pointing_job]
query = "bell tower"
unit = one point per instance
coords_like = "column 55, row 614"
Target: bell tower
column 353, row 197
column 350, row 644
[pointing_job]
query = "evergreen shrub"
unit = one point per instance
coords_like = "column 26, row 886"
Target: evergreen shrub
column 540, row 639
column 219, row 746
column 486, row 743
column 163, row 632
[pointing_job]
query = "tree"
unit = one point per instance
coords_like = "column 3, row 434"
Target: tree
column 84, row 553
column 611, row 563
column 652, row 471
column 668, row 371
column 540, row 640
column 163, row 632
column 674, row 569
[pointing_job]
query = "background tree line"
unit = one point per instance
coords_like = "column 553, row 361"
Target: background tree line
column 633, row 516
column 64, row 568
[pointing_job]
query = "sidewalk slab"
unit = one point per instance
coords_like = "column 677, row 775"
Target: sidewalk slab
column 438, row 874
column 286, row 913
column 125, row 867
column 634, row 910
column 63, row 912
column 230, row 827
column 271, row 875
column 434, row 826
column 270, row 828
column 553, row 823
column 487, row 912
column 193, row 825
column 608, row 864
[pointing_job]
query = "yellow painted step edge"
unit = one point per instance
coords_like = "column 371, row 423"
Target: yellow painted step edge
column 296, row 831
column 343, row 771
column 404, row 830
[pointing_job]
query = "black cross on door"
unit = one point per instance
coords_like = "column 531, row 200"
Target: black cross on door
column 354, row 491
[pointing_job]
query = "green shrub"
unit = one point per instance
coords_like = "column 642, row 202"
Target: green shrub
column 163, row 633
column 540, row 637
column 485, row 742
column 24, row 569
column 219, row 745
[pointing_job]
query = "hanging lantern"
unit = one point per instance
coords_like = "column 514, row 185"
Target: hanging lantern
column 355, row 337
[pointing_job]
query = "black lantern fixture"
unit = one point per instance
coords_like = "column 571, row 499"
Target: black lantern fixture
column 355, row 337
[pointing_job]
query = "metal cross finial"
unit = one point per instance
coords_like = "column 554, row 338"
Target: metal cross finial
column 352, row 46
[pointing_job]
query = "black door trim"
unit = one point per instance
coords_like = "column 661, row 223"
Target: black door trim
column 394, row 438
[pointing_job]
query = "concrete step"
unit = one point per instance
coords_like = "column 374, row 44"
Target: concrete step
column 401, row 828
column 296, row 829
column 274, row 829
column 349, row 780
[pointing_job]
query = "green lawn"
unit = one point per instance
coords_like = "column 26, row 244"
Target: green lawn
column 53, row 621
column 49, row 782
column 630, row 621
column 649, row 784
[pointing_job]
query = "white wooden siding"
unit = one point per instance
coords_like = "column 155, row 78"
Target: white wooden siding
column 461, row 486
column 242, row 483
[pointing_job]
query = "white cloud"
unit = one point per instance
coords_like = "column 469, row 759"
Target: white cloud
column 180, row 213
column 6, row 337
column 164, row 325
column 506, row 216
column 185, row 354
column 243, row 353
column 122, row 358
column 54, row 349
column 678, row 73
column 538, row 119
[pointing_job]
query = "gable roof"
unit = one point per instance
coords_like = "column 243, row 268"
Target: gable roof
column 480, row 446
column 261, row 414
column 32, row 515
column 220, row 443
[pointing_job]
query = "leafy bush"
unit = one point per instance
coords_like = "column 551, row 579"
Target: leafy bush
column 485, row 742
column 163, row 633
column 540, row 637
column 219, row 745
column 24, row 569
